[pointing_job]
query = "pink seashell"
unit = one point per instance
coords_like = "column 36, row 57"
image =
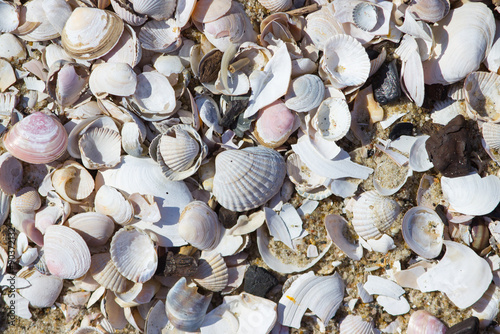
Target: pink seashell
column 274, row 124
column 422, row 322
column 37, row 139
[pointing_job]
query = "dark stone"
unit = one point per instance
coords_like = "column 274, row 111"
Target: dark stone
column 385, row 83
column 235, row 107
column 372, row 54
column 210, row 67
column 258, row 281
column 480, row 234
column 468, row 326
column 401, row 129
column 449, row 149
column 441, row 211
column 180, row 265
column 227, row 217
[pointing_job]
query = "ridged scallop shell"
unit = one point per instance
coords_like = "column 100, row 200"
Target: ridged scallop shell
column 185, row 307
column 90, row 33
column 156, row 9
column 422, row 322
column 123, row 8
column 274, row 124
column 200, row 226
column 373, row 214
column 482, row 93
column 321, row 25
column 354, row 324
column 26, row 200
column 117, row 79
column 491, row 135
column 333, row 119
column 429, row 10
column 95, row 228
column 245, row 179
column 134, row 254
column 276, row 5
column 100, row 148
column 365, row 16
column 72, row 182
column 423, row 231
column 9, row 15
column 66, row 253
column 305, row 93
column 109, row 201
column 105, row 273
column 36, row 26
column 212, row 273
column 160, row 36
column 11, row 173
column 37, row 139
column 43, row 290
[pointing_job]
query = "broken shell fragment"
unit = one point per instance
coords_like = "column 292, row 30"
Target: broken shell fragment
column 422, row 321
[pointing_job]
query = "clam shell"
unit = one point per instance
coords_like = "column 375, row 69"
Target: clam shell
column 37, row 139
column 11, row 47
column 57, row 13
column 185, row 307
column 105, row 273
column 210, row 10
column 134, row 254
column 160, row 36
column 10, row 16
column 245, row 179
column 212, row 273
column 423, row 231
column 482, row 90
column 156, row 9
column 95, row 228
column 90, row 33
column 111, row 202
column 355, row 325
column 200, row 226
column 53, row 53
column 429, row 10
column 365, row 16
column 333, row 119
column 66, row 82
column 422, row 321
column 113, row 78
column 66, row 253
column 43, row 290
column 100, row 148
column 124, row 10
column 11, row 174
column 128, row 49
column 419, row 158
column 305, row 93
column 274, row 124
column 72, row 182
column 154, row 95
column 373, row 214
column 276, row 5
column 43, row 30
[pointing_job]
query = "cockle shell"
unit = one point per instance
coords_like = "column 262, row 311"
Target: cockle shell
column 332, row 119
column 482, row 90
column 124, row 10
column 491, row 135
column 321, row 25
column 423, row 231
column 274, row 124
column 109, row 201
column 95, row 228
column 212, row 273
column 90, row 33
column 160, row 36
column 185, row 307
column 200, row 226
column 26, row 200
column 66, row 253
column 305, row 93
column 276, row 5
column 10, row 16
column 37, row 139
column 373, row 214
column 156, row 9
column 105, row 273
column 365, row 15
column 113, row 78
column 100, row 148
column 355, row 325
column 11, row 173
column 72, row 182
column 245, row 179
column 429, row 10
column 43, row 290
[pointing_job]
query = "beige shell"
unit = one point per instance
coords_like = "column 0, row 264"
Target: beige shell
column 26, row 200
column 160, row 36
column 200, row 226
column 105, row 273
column 72, row 182
column 117, row 79
column 276, row 5
column 66, row 253
column 95, row 228
column 109, row 201
column 373, row 214
column 212, row 273
column 128, row 49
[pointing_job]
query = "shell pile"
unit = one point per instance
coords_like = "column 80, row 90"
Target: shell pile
column 152, row 150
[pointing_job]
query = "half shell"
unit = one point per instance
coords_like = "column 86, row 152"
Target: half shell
column 423, row 231
column 200, row 226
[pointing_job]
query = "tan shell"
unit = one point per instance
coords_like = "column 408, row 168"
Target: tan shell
column 482, row 93
column 109, row 201
column 212, row 273
column 26, row 200
column 200, row 226
column 95, row 228
column 105, row 273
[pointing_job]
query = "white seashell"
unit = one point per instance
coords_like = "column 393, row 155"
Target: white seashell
column 10, row 46
column 303, row 178
column 220, row 321
column 113, row 78
column 373, row 214
column 462, row 287
column 43, row 290
column 333, row 119
column 54, row 211
column 66, row 253
column 247, row 178
column 53, row 53
column 376, row 285
column 7, row 75
column 111, row 202
column 210, row 10
column 422, row 321
column 463, row 39
column 85, row 125
column 200, row 226
column 183, row 12
column 185, row 307
column 277, row 228
column 430, row 10
column 481, row 93
column 154, row 95
column 91, row 33
column 133, row 135
column 423, row 231
column 114, row 314
column 321, row 294
column 43, row 30
column 345, row 61
column 336, row 227
column 10, row 16
column 486, row 308
column 94, row 228
column 471, row 194
column 134, row 254
column 100, row 148
column 160, row 36
column 125, row 11
column 57, row 13
column 128, row 49
column 412, row 73
column 491, row 135
column 156, row 9
column 355, row 325
column 419, row 158
column 88, row 330
column 11, row 174
column 365, row 15
column 145, row 207
column 26, row 200
column 305, row 93
column 156, row 319
column 492, row 60
column 321, row 25
column 212, row 273
column 105, row 273
column 276, row 5
column 394, row 306
column 72, row 182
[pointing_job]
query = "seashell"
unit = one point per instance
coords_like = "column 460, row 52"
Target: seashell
column 26, row 200
column 209, row 111
column 180, row 152
column 376, row 285
column 156, row 9
column 41, row 28
column 125, row 11
column 43, row 290
column 183, row 12
column 91, row 33
column 95, row 228
column 128, row 49
column 156, row 319
column 274, row 124
column 247, row 178
column 305, row 93
column 333, row 119
column 200, row 226
column 145, row 207
column 160, row 36
column 481, row 91
column 57, row 13
column 185, row 307
column 422, row 321
column 419, row 158
column 53, row 53
column 100, row 148
column 112, row 78
column 345, row 61
column 11, row 174
column 355, row 325
column 212, row 273
column 66, row 82
column 72, row 182
column 7, row 75
column 429, row 10
column 411, row 70
column 463, row 39
column 373, row 214
column 365, row 16
column 321, row 25
column 303, row 178
column 10, row 46
column 133, row 135
column 10, row 16
column 66, row 253
column 110, row 202
column 276, row 5
column 170, row 66
column 134, row 254
column 84, row 126
column 105, row 273
column 486, row 308
column 154, row 95
column 423, row 231
column 210, row 10
column 336, row 228
column 37, row 139
column 491, row 135
column 88, row 330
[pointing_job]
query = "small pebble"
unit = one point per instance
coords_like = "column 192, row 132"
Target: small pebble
column 401, row 129
column 386, row 86
column 258, row 281
column 227, row 217
column 468, row 326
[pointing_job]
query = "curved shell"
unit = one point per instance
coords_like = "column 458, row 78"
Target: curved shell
column 128, row 49
column 482, row 91
column 336, row 226
column 274, row 124
column 429, row 10
column 38, row 27
column 100, row 148
column 156, row 9
column 185, row 307
column 9, row 15
column 105, row 273
column 109, row 201
column 321, row 25
column 43, row 290
column 66, row 82
column 491, row 135
column 373, row 214
column 303, row 178
column 134, row 254
column 95, row 228
column 160, row 36
column 422, row 322
column 305, row 93
column 124, row 10
column 333, row 119
column 365, row 15
column 26, row 200
column 90, row 33
column 210, row 10
column 200, row 226
column 419, row 158
column 72, row 182
column 154, row 95
column 423, row 231
column 113, row 78
column 276, row 5
column 245, row 179
column 11, row 173
column 355, row 325
column 66, row 253
column 37, row 139
column 212, row 273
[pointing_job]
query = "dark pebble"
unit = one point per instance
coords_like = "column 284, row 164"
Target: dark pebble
column 468, row 326
column 180, row 265
column 227, row 217
column 235, row 107
column 258, row 281
column 449, row 149
column 401, row 129
column 386, row 86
